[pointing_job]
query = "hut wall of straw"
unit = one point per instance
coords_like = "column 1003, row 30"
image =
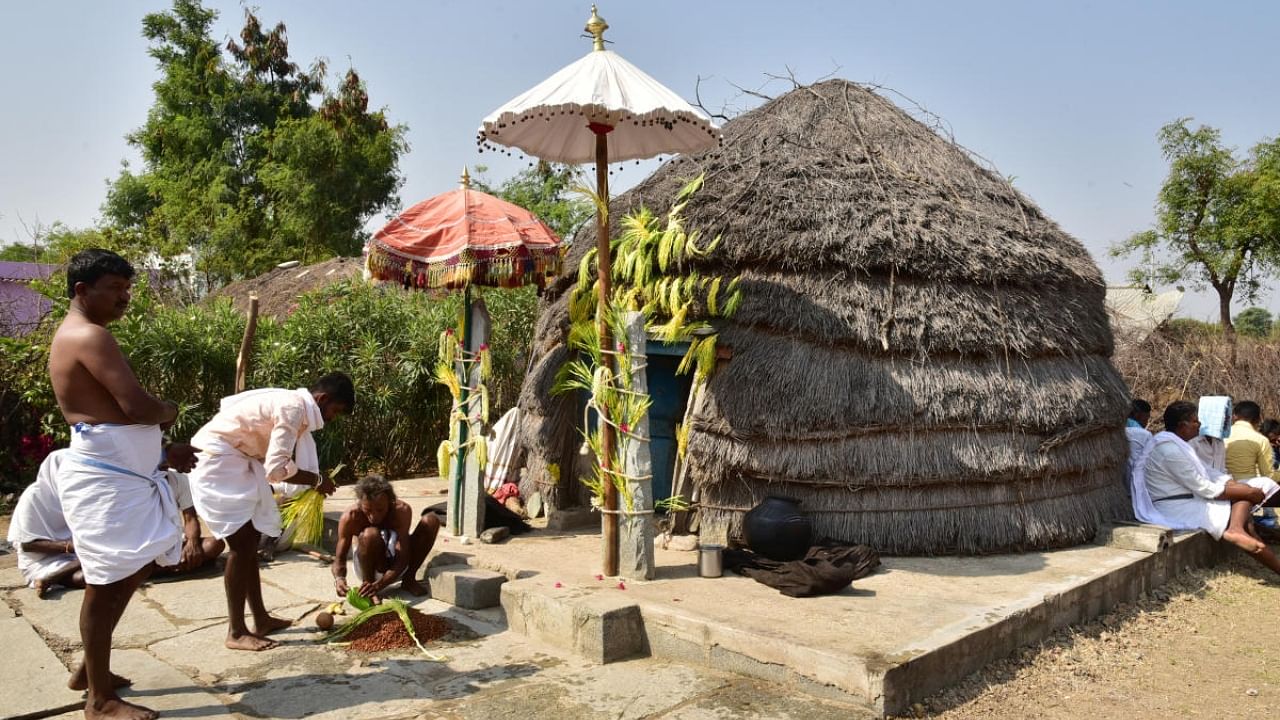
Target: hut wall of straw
column 921, row 357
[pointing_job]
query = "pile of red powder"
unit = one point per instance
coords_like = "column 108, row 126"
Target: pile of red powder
column 387, row 632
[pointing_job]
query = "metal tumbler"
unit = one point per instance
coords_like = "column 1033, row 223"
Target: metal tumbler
column 710, row 560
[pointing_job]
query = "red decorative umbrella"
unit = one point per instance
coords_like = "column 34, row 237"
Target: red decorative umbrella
column 454, row 240
column 464, row 237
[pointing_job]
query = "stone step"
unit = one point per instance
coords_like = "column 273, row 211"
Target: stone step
column 601, row 627
column 465, row 586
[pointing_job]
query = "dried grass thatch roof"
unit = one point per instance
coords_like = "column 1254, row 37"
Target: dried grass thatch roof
column 279, row 289
column 921, row 356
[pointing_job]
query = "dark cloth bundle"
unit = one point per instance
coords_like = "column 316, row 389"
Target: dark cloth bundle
column 826, row 568
column 495, row 515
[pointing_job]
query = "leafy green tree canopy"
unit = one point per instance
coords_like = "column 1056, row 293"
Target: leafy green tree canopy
column 1217, row 218
column 249, row 160
column 1254, row 322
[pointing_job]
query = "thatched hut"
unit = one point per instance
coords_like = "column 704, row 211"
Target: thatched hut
column 279, row 289
column 921, row 356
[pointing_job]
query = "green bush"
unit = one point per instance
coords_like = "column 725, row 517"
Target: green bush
column 384, row 338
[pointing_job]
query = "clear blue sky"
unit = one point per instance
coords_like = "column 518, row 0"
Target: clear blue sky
column 1066, row 96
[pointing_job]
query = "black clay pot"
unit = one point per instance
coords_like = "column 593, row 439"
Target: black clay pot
column 777, row 529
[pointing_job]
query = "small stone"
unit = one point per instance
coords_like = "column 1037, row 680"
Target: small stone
column 1251, row 692
column 464, row 540
column 686, row 543
column 622, row 585
column 495, row 535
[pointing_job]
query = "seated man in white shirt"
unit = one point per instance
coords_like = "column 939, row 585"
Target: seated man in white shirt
column 1135, row 428
column 39, row 533
column 197, row 551
column 1172, row 487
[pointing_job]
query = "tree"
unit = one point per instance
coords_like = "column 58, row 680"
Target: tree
column 1254, row 322
column 55, row 244
column 1217, row 218
column 547, row 190
column 241, row 168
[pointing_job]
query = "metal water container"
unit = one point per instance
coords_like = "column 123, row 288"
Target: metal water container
column 710, row 560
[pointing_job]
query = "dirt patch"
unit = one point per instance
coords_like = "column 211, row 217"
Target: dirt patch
column 1200, row 646
column 387, row 632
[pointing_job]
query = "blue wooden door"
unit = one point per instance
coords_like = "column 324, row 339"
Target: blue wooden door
column 669, row 393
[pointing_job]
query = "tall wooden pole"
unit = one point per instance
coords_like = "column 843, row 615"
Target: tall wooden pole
column 604, row 272
column 246, row 346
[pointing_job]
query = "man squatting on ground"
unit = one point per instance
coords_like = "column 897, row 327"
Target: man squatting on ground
column 46, row 551
column 1172, row 487
column 122, row 517
column 251, row 442
column 374, row 532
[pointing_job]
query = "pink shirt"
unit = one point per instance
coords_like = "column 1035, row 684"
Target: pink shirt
column 265, row 426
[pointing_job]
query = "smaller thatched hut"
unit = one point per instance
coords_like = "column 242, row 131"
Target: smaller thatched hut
column 279, row 289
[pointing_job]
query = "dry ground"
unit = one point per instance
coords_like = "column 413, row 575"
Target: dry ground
column 1202, row 646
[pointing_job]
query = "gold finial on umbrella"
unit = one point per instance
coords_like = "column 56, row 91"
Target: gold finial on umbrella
column 465, row 181
column 596, row 26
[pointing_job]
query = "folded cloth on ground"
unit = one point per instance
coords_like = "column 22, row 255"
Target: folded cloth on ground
column 827, row 568
column 120, row 509
column 38, row 516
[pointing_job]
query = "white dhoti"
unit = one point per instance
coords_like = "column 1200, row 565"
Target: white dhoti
column 38, row 516
column 1212, row 516
column 230, row 489
column 120, row 510
column 389, row 538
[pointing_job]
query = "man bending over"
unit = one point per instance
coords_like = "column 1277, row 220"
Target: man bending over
column 259, row 437
column 375, row 533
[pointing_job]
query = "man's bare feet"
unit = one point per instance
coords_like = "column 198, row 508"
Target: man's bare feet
column 80, row 680
column 117, row 709
column 269, row 624
column 252, row 643
column 40, row 587
column 413, row 587
column 1244, row 541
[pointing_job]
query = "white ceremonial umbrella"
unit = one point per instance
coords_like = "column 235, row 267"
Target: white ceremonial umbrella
column 602, row 109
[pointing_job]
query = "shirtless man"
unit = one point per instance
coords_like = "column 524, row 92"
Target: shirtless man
column 121, row 519
column 375, row 533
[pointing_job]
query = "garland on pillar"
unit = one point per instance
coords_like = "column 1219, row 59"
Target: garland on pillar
column 475, row 408
column 653, row 274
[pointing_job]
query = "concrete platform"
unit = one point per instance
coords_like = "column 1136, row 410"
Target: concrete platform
column 915, row 626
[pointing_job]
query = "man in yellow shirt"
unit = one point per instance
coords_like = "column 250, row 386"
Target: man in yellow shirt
column 1249, row 451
